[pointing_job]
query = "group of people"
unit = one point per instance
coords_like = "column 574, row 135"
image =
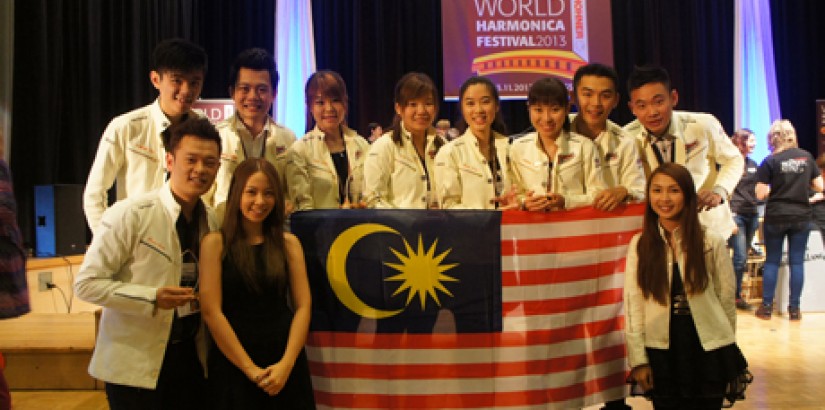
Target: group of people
column 197, row 234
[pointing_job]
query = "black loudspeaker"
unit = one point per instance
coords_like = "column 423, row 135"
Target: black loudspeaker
column 59, row 222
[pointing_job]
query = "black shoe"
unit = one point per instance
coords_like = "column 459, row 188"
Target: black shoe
column 764, row 312
column 742, row 305
column 794, row 313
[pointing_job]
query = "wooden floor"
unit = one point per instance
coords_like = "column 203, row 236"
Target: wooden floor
column 786, row 358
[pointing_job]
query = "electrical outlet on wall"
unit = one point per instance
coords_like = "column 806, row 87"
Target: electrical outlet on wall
column 43, row 279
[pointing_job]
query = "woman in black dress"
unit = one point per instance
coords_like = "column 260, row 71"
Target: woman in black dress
column 679, row 296
column 248, row 270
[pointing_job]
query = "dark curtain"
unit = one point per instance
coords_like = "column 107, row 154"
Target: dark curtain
column 798, row 45
column 78, row 64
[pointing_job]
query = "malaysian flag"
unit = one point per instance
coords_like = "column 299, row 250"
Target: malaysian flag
column 466, row 309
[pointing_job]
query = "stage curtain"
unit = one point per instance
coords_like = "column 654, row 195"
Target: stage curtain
column 798, row 41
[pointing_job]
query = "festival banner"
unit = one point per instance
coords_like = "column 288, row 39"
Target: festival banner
column 466, row 309
column 515, row 42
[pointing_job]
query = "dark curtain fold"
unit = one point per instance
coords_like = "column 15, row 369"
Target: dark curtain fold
column 798, row 45
column 78, row 64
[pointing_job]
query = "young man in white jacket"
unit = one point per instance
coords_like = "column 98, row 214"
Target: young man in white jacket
column 595, row 94
column 694, row 140
column 141, row 267
column 131, row 150
column 251, row 132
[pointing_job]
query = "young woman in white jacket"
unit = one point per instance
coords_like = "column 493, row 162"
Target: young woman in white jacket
column 399, row 169
column 325, row 168
column 554, row 168
column 473, row 171
column 679, row 296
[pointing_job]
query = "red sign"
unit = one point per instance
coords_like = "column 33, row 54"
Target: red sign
column 515, row 42
column 216, row 110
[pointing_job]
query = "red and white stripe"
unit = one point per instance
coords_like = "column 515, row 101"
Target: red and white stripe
column 561, row 345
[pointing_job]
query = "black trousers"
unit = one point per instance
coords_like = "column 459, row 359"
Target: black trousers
column 181, row 384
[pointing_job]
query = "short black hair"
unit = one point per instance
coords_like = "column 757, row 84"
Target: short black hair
column 177, row 54
column 643, row 75
column 598, row 70
column 254, row 59
column 193, row 126
column 550, row 90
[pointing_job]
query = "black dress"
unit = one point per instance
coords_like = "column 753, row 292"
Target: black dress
column 686, row 370
column 261, row 321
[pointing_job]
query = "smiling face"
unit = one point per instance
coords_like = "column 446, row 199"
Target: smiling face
column 596, row 98
column 479, row 107
column 417, row 114
column 192, row 167
column 667, row 200
column 177, row 90
column 253, row 95
column 652, row 104
column 328, row 112
column 548, row 119
column 258, row 198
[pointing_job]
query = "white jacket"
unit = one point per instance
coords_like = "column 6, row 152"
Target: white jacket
column 463, row 177
column 621, row 165
column 311, row 175
column 713, row 311
column 394, row 176
column 700, row 145
column 135, row 251
column 278, row 141
column 576, row 174
column 131, row 152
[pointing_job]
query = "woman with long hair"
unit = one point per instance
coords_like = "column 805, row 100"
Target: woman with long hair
column 680, row 312
column 399, row 167
column 784, row 179
column 473, row 170
column 325, row 168
column 554, row 168
column 743, row 205
column 248, row 270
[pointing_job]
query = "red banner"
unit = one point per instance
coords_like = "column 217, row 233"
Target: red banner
column 515, row 42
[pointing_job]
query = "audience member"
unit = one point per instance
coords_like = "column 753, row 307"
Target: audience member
column 251, row 132
column 473, row 171
column 399, row 168
column 743, row 204
column 595, row 91
column 694, row 140
column 14, row 292
column 374, row 131
column 142, row 268
column 249, row 269
column 784, row 179
column 679, row 304
column 131, row 151
column 325, row 167
column 553, row 167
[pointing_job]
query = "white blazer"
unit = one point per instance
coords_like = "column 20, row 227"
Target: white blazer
column 311, row 175
column 131, row 152
column 713, row 311
column 576, row 174
column 463, row 177
column 278, row 141
column 700, row 145
column 135, row 251
column 394, row 175
column 621, row 165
